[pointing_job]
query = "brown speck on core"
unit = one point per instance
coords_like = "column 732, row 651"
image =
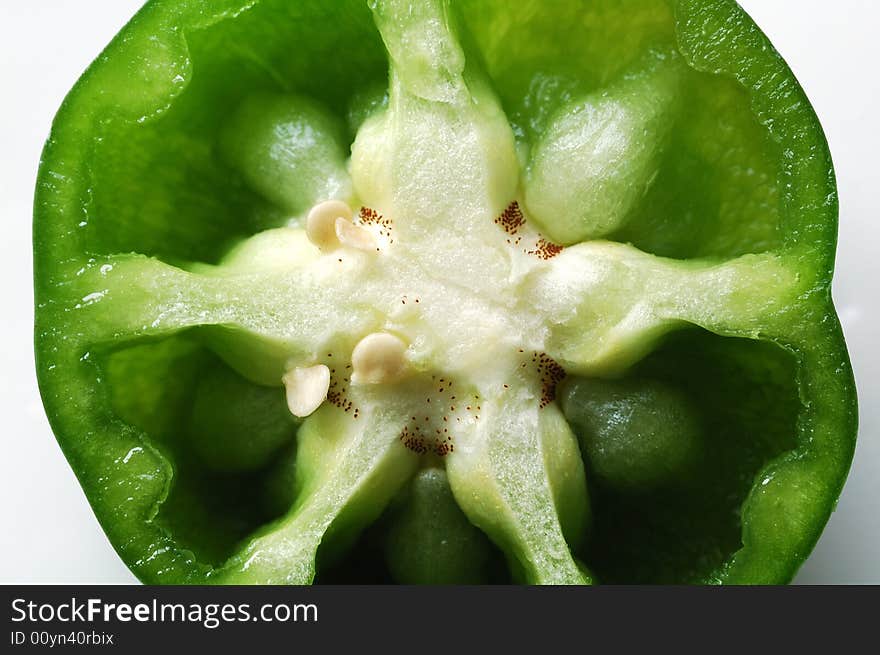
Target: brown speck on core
column 511, row 219
column 420, row 443
column 336, row 397
column 552, row 374
column 545, row 249
column 369, row 216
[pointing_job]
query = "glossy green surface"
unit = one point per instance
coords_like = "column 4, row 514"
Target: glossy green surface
column 205, row 131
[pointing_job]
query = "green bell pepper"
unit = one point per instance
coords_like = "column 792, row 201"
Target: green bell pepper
column 434, row 292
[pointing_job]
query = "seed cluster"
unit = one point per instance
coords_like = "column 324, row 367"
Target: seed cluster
column 432, row 431
column 545, row 249
column 421, row 442
column 551, row 375
column 369, row 216
column 511, row 220
column 336, row 396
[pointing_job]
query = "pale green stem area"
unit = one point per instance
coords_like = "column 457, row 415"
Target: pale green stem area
column 441, row 163
column 260, row 320
column 343, row 467
column 518, row 476
column 607, row 304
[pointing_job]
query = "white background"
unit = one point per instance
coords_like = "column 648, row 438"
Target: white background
column 47, row 531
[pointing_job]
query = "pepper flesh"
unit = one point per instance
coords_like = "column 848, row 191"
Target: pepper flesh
column 594, row 309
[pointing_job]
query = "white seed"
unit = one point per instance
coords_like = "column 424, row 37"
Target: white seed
column 306, row 389
column 354, row 236
column 321, row 222
column 377, row 358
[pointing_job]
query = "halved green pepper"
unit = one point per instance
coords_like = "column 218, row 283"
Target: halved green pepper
column 436, row 292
